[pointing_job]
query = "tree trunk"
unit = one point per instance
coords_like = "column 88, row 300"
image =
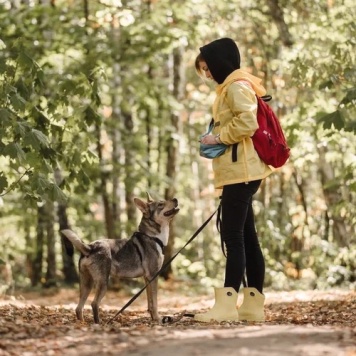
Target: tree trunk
column 129, row 166
column 29, row 253
column 116, row 175
column 38, row 254
column 333, row 196
column 51, row 274
column 277, row 15
column 109, row 222
column 116, row 131
column 69, row 272
column 172, row 147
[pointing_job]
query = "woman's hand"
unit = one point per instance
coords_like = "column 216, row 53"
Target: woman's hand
column 209, row 140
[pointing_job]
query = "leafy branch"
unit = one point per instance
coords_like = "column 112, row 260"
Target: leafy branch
column 14, row 184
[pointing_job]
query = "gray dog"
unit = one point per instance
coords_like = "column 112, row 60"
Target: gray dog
column 140, row 255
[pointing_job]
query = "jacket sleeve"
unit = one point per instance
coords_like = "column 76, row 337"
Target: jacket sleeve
column 242, row 103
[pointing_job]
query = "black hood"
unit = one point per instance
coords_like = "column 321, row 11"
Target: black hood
column 222, row 57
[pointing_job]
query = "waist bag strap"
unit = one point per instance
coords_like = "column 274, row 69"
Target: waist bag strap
column 234, row 152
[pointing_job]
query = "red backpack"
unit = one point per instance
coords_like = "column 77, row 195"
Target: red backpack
column 269, row 141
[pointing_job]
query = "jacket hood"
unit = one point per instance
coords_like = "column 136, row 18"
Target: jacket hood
column 222, row 57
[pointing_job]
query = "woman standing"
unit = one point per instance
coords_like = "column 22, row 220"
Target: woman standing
column 238, row 172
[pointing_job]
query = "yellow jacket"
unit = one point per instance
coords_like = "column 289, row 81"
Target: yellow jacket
column 235, row 119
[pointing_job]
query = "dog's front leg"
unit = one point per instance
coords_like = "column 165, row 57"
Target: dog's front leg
column 149, row 296
column 152, row 299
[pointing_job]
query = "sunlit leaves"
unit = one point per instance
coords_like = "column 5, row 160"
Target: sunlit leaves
column 46, row 86
column 327, row 62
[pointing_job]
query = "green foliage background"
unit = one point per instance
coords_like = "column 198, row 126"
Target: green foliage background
column 76, row 76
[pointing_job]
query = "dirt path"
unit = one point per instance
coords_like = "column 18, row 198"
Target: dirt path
column 271, row 340
column 297, row 323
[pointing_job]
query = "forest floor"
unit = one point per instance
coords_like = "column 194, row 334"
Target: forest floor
column 297, row 323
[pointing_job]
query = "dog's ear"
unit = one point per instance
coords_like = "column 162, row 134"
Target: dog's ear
column 149, row 198
column 141, row 205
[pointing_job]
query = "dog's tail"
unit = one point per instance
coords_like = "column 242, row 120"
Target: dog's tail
column 77, row 242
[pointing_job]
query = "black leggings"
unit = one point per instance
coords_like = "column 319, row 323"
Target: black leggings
column 240, row 237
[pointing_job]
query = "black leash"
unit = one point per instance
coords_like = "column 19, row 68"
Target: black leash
column 162, row 268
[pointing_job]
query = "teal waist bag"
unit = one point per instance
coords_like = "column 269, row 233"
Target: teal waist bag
column 211, row 151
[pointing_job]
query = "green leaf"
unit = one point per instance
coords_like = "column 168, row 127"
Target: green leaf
column 76, row 158
column 351, row 126
column 83, row 180
column 335, row 119
column 41, row 137
column 32, row 158
column 56, row 194
column 326, row 84
column 350, row 97
column 14, row 150
column 39, row 184
column 3, row 182
column 91, row 116
column 21, row 128
column 3, row 66
column 18, row 102
column 49, row 153
column 5, row 115
column 25, row 60
column 40, row 79
column 36, row 139
column 352, row 187
column 23, row 89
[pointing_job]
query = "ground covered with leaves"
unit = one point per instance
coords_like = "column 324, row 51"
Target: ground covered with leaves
column 297, row 323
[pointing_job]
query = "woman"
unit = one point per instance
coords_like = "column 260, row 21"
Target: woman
column 238, row 172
